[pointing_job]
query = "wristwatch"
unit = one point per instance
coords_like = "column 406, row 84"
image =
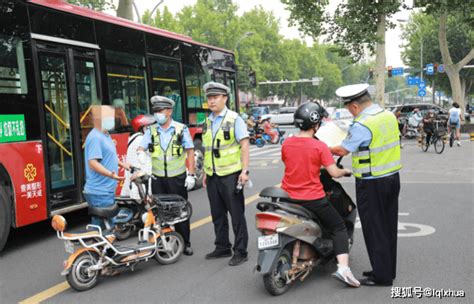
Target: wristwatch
column 247, row 172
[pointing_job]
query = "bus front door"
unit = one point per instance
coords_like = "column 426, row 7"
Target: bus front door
column 68, row 86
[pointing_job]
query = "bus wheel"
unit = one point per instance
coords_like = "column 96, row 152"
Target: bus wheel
column 5, row 217
column 199, row 163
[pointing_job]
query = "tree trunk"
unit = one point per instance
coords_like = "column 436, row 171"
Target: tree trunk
column 452, row 69
column 125, row 9
column 380, row 63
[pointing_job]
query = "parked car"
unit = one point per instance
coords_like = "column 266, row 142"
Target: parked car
column 258, row 112
column 406, row 110
column 284, row 117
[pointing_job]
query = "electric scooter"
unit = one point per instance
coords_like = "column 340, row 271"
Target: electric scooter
column 95, row 251
column 293, row 241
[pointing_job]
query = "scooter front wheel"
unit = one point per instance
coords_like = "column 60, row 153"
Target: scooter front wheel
column 260, row 142
column 80, row 278
column 275, row 281
column 176, row 242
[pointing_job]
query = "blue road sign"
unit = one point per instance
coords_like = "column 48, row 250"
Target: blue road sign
column 421, row 92
column 422, row 85
column 441, row 68
column 429, row 69
column 413, row 80
column 397, row 71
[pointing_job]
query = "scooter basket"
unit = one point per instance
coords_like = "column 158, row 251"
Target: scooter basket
column 172, row 208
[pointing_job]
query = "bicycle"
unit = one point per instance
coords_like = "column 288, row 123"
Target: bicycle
column 437, row 139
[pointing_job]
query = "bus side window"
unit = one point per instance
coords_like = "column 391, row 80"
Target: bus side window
column 12, row 66
column 127, row 86
column 167, row 82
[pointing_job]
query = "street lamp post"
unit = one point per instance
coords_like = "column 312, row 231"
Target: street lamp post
column 247, row 34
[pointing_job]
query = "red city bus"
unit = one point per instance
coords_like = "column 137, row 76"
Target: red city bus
column 56, row 60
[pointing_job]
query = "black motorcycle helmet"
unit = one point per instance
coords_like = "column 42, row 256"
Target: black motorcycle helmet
column 309, row 115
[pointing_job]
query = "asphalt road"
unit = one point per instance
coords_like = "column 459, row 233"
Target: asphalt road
column 435, row 247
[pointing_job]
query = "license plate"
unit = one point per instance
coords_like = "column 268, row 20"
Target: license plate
column 69, row 247
column 266, row 241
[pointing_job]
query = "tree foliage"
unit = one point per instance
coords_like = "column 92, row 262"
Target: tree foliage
column 460, row 42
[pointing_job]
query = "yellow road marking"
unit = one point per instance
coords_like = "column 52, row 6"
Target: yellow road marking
column 57, row 289
column 48, row 293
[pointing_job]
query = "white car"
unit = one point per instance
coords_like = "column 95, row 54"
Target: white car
column 284, row 117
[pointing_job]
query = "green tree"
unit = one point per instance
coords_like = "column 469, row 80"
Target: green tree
column 463, row 12
column 460, row 40
column 355, row 27
column 163, row 20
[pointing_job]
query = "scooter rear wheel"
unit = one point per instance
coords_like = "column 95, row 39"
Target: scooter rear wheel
column 79, row 278
column 177, row 246
column 275, row 280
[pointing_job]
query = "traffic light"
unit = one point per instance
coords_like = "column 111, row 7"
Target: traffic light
column 389, row 71
column 252, row 79
column 371, row 73
column 435, row 68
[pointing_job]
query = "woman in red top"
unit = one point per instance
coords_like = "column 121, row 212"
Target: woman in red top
column 303, row 156
column 267, row 126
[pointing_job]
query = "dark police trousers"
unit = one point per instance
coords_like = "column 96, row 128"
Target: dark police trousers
column 174, row 185
column 223, row 199
column 377, row 201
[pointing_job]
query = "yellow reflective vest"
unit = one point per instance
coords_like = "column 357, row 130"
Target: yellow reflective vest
column 171, row 161
column 382, row 156
column 222, row 154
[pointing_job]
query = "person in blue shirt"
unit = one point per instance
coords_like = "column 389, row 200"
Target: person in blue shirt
column 171, row 146
column 102, row 162
column 378, row 184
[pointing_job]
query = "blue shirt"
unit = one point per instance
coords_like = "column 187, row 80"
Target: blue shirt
column 360, row 136
column 240, row 130
column 101, row 147
column 166, row 135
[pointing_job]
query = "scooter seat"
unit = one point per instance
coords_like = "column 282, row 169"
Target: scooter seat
column 297, row 209
column 274, row 192
column 104, row 212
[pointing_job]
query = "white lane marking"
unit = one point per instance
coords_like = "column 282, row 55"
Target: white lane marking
column 422, row 230
column 265, row 151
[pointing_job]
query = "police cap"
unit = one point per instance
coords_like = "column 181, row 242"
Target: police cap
column 214, row 88
column 161, row 102
column 351, row 92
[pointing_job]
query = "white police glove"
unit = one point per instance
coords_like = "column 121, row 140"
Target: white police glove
column 190, row 182
column 142, row 158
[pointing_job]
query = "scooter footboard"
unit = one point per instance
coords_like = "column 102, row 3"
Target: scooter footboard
column 269, row 256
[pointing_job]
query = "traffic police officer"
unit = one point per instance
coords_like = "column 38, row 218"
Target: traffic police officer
column 170, row 145
column 226, row 160
column 374, row 142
